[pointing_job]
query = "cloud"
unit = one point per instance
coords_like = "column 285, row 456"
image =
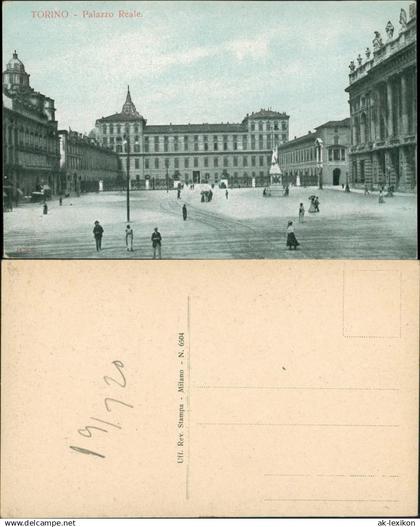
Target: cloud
column 253, row 49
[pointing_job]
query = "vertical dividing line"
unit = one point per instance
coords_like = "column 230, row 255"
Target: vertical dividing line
column 187, row 481
column 342, row 304
column 401, row 284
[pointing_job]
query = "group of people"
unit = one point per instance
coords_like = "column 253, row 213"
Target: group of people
column 314, row 206
column 389, row 194
column 156, row 238
column 206, row 196
column 291, row 241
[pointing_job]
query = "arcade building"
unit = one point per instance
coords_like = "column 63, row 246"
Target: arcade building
column 161, row 156
column 31, row 152
column 383, row 108
column 85, row 165
column 317, row 158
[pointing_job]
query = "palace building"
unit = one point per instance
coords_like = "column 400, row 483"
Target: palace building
column 317, row 158
column 159, row 156
column 383, row 108
column 85, row 165
column 30, row 138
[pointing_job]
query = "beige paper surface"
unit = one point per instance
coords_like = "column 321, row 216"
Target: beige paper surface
column 298, row 388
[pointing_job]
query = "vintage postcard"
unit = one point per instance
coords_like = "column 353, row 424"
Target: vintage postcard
column 200, row 134
column 166, row 390
column 210, row 130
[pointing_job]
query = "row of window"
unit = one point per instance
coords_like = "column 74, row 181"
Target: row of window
column 275, row 125
column 111, row 129
column 298, row 156
column 31, row 138
column 26, row 159
column 206, row 162
column 260, row 126
column 85, row 163
column 260, row 142
column 308, row 154
column 204, row 178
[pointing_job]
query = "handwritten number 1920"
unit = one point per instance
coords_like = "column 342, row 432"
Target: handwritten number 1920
column 89, row 429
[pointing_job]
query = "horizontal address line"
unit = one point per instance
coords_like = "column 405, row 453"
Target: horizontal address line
column 297, row 424
column 322, row 499
column 295, row 388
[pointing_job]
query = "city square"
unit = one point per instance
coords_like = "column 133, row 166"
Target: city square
column 246, row 225
column 228, row 119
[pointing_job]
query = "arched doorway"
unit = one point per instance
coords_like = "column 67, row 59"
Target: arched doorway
column 336, row 176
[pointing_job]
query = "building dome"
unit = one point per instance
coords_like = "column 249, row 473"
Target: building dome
column 15, row 64
column 15, row 76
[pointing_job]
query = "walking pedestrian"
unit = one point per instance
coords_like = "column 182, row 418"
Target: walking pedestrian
column 98, row 232
column 381, row 197
column 156, row 243
column 129, row 235
column 291, row 238
column 316, row 203
column 312, row 207
column 60, row 201
column 184, row 212
column 227, row 194
column 366, row 190
column 301, row 213
column 179, row 193
column 45, row 208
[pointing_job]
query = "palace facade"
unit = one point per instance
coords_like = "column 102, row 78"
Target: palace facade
column 85, row 165
column 30, row 137
column 383, row 108
column 159, row 156
column 317, row 158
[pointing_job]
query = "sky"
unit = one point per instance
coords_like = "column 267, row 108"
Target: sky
column 193, row 61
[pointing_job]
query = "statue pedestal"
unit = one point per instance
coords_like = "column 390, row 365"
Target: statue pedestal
column 276, row 185
column 276, row 189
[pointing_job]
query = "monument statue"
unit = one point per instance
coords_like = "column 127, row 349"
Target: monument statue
column 389, row 30
column 367, row 53
column 412, row 10
column 274, row 157
column 359, row 59
column 276, row 187
column 403, row 20
column 377, row 41
column 352, row 65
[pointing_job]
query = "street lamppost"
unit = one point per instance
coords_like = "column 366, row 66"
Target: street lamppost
column 127, row 146
column 318, row 151
column 167, row 175
column 389, row 169
column 347, row 181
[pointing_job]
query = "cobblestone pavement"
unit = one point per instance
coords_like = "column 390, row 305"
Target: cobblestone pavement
column 246, row 225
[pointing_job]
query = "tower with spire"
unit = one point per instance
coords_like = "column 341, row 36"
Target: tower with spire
column 129, row 107
column 123, row 132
